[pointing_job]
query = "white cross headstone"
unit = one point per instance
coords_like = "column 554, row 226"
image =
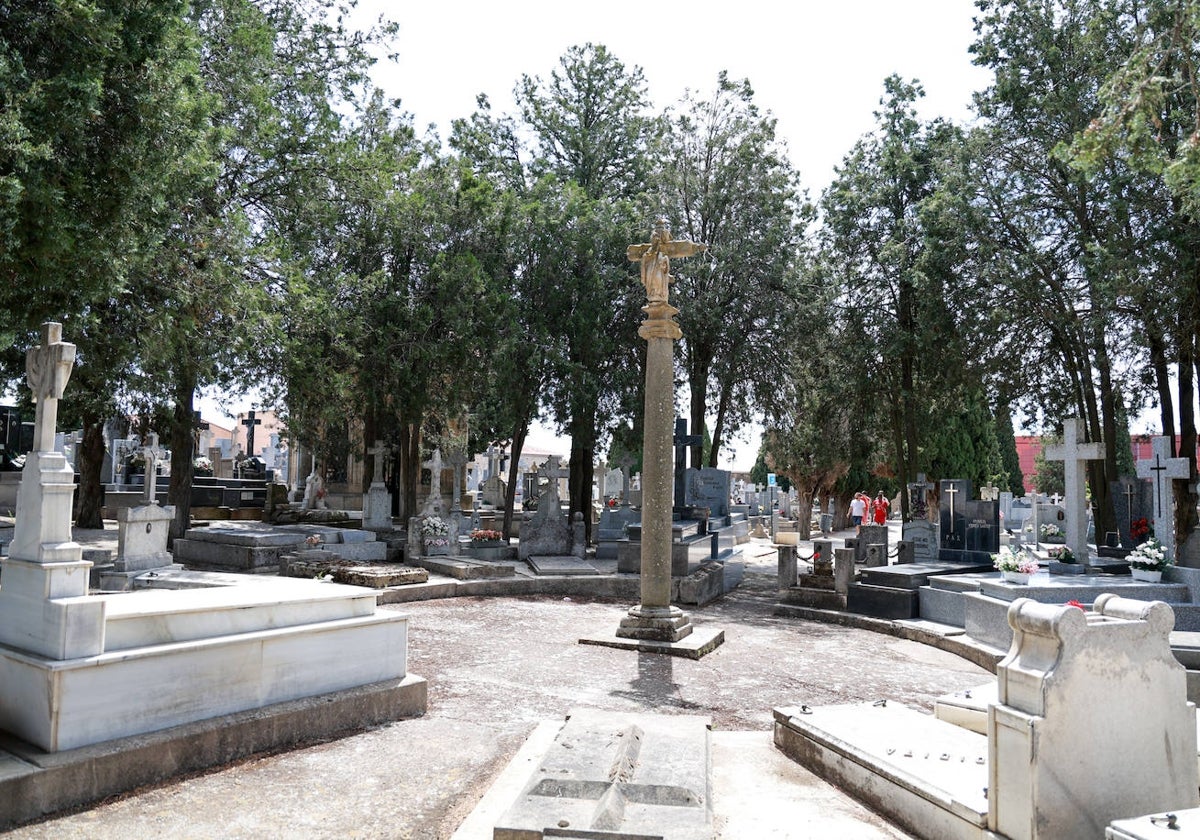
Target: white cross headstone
column 433, row 503
column 48, row 367
column 377, row 452
column 151, row 454
column 1161, row 469
column 1074, row 454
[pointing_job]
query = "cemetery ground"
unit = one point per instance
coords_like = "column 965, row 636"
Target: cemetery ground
column 499, row 666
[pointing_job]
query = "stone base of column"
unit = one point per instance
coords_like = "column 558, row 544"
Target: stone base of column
column 656, row 624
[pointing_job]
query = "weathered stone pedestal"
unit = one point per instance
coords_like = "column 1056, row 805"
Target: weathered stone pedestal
column 655, row 625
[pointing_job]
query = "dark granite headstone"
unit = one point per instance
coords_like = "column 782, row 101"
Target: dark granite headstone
column 982, row 525
column 952, row 513
column 1133, row 499
column 707, row 487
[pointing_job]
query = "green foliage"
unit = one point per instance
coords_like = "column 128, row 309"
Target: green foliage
column 1049, row 476
column 1010, row 478
column 726, row 181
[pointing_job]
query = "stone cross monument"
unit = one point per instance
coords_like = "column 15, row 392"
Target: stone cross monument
column 151, row 454
column 655, row 619
column 1161, row 470
column 1074, row 454
column 45, row 570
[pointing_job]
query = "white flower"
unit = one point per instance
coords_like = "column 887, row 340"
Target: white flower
column 1013, row 560
column 1150, row 556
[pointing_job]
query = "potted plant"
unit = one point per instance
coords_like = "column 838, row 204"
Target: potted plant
column 486, row 536
column 1147, row 561
column 435, row 535
column 1014, row 566
column 1051, row 533
column 202, row 466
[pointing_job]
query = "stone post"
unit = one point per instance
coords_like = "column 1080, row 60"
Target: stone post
column 655, row 619
column 788, row 570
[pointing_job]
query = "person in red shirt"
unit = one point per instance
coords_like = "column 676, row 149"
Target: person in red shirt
column 879, row 508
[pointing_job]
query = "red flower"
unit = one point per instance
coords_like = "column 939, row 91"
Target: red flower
column 1076, row 604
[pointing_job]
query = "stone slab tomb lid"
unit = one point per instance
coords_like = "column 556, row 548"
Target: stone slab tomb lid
column 618, row 775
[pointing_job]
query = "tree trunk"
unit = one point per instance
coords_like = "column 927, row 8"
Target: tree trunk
column 1185, row 494
column 183, row 442
column 1162, row 381
column 368, row 442
column 580, row 483
column 520, row 430
column 408, row 470
column 803, row 512
column 89, row 458
column 697, row 388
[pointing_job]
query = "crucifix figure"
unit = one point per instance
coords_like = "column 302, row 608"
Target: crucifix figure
column 1161, row 469
column 1075, row 454
column 48, row 367
column 151, row 453
column 250, row 422
column 654, row 257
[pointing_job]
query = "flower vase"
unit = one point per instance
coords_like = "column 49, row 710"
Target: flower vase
column 439, row 548
column 1147, row 575
column 1015, row 577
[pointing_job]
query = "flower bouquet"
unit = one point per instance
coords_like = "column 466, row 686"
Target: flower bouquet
column 1014, row 566
column 486, row 535
column 435, row 535
column 1051, row 533
column 1140, row 530
column 1147, row 561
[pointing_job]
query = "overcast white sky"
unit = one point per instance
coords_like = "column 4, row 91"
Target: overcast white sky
column 817, row 65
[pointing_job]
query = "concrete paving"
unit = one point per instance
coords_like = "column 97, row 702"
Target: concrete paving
column 498, row 668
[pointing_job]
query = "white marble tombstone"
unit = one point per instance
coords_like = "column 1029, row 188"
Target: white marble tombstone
column 1092, row 721
column 1075, row 454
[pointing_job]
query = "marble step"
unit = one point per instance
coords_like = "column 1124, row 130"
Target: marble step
column 150, row 617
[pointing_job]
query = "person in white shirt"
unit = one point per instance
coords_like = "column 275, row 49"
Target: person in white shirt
column 858, row 507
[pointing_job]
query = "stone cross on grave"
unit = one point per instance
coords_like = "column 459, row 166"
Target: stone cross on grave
column 918, row 508
column 433, row 503
column 493, row 456
column 1075, row 454
column 1161, row 469
column 250, row 422
column 626, row 465
column 682, row 441
column 198, row 425
column 48, row 367
column 457, row 459
column 151, row 453
column 552, row 472
column 604, row 776
column 377, row 453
